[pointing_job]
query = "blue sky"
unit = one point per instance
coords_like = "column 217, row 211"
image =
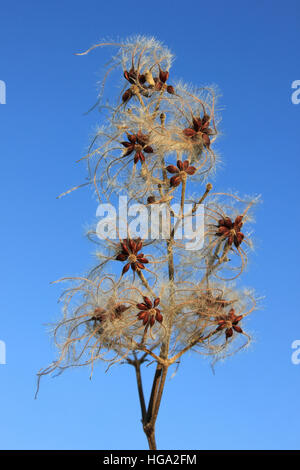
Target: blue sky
column 250, row 50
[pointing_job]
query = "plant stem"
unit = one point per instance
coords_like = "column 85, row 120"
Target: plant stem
column 154, row 404
column 162, row 369
column 140, row 388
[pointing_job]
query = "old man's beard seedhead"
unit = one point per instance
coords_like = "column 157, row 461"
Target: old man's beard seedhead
column 153, row 299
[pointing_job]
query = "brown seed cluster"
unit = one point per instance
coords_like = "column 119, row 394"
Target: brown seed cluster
column 200, row 128
column 133, row 77
column 129, row 252
column 212, row 302
column 229, row 323
column 101, row 314
column 137, row 143
column 180, row 172
column 151, row 199
column 149, row 312
column 231, row 230
column 161, row 82
column 138, row 83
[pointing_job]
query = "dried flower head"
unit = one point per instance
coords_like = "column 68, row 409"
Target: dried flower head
column 230, row 322
column 200, row 129
column 160, row 82
column 180, row 172
column 149, row 312
column 130, row 252
column 139, row 144
column 231, row 230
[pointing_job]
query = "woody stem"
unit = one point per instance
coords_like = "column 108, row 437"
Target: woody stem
column 154, row 404
column 161, row 370
column 137, row 366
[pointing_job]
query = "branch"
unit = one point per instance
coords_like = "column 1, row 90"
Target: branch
column 159, row 394
column 154, row 389
column 140, row 347
column 193, row 343
column 136, row 363
column 145, row 282
column 137, row 367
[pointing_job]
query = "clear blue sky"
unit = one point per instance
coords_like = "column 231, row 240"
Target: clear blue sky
column 251, row 50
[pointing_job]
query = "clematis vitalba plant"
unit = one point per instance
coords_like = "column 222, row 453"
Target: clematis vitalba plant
column 151, row 300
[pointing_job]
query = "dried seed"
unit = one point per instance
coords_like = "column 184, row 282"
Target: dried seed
column 121, row 257
column 126, row 144
column 191, row 170
column 188, row 132
column 197, row 123
column 125, row 269
column 185, row 165
column 142, row 315
column 142, row 306
column 147, row 301
column 229, row 332
column 132, row 138
column 139, row 245
column 140, row 265
column 180, row 165
column 127, row 95
column 142, row 79
column 238, row 221
column 175, row 181
column 163, row 75
column 237, row 328
column 125, row 247
column 132, row 245
column 159, row 317
column 172, row 169
column 206, row 140
column 150, row 199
